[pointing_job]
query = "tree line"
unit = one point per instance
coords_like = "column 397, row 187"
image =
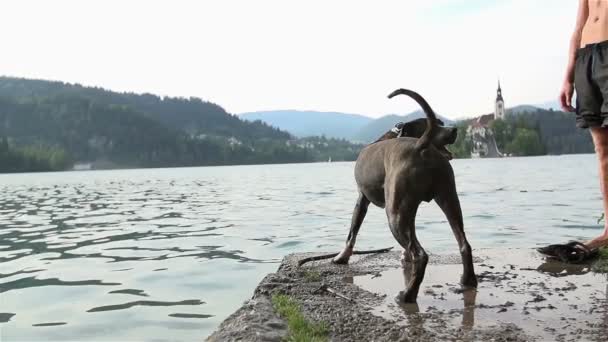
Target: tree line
column 530, row 133
column 139, row 130
column 31, row 158
column 50, row 125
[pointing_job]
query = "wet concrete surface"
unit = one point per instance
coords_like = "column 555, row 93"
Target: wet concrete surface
column 520, row 297
column 548, row 300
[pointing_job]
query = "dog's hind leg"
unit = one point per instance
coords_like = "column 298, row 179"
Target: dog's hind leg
column 355, row 224
column 450, row 205
column 401, row 219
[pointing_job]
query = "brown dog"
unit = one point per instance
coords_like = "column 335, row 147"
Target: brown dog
column 398, row 174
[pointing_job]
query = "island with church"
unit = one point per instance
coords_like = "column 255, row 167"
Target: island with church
column 480, row 131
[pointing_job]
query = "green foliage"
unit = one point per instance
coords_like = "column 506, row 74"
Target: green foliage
column 32, row 158
column 133, row 130
column 531, row 133
column 322, row 148
column 312, row 276
column 300, row 329
column 463, row 145
column 557, row 134
column 604, row 253
column 601, row 264
column 504, row 133
column 525, row 143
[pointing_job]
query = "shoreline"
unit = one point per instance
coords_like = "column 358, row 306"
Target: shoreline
column 521, row 297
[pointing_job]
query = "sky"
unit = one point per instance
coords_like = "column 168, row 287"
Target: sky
column 338, row 55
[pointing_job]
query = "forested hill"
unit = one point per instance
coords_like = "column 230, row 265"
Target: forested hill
column 131, row 130
column 557, row 131
column 191, row 115
column 532, row 131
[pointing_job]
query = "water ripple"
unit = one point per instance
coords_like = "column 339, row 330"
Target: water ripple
column 145, row 303
column 6, row 316
column 77, row 247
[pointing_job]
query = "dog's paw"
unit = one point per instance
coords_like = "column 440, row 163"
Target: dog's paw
column 407, row 297
column 343, row 257
column 340, row 261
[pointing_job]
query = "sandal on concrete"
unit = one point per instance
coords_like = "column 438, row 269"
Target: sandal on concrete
column 571, row 252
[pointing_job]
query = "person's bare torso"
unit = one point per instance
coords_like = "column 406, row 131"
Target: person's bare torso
column 596, row 26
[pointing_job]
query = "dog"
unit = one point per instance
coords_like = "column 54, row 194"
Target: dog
column 397, row 174
column 416, row 128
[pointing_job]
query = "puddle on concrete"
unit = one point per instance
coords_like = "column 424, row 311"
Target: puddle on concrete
column 548, row 300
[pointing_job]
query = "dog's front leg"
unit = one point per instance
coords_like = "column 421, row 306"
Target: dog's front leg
column 450, row 205
column 405, row 258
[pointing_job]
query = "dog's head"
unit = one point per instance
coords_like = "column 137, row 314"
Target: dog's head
column 445, row 135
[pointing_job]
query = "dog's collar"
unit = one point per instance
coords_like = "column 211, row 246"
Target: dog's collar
column 398, row 128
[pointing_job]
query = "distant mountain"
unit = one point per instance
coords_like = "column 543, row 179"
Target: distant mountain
column 550, row 105
column 522, row 109
column 311, row 123
column 376, row 128
column 525, row 108
column 353, row 127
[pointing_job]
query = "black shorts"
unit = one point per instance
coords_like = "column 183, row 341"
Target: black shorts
column 591, row 83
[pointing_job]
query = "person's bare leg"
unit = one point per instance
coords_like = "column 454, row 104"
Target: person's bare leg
column 600, row 141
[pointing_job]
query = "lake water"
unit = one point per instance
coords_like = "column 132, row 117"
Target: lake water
column 167, row 254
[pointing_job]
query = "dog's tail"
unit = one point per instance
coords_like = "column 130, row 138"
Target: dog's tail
column 431, row 118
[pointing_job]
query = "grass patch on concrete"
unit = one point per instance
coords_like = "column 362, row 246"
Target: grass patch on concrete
column 300, row 329
column 601, row 265
column 312, row 276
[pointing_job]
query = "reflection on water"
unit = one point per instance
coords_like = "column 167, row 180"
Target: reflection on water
column 169, row 253
column 549, row 292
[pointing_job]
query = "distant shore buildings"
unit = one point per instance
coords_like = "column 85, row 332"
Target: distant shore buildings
column 480, row 131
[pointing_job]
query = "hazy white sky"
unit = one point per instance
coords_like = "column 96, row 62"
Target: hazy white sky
column 329, row 55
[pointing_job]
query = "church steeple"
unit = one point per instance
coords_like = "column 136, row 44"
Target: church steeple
column 499, row 108
column 499, row 93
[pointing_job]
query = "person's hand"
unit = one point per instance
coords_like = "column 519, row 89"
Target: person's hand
column 565, row 97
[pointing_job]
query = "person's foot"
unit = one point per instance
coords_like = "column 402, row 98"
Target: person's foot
column 600, row 241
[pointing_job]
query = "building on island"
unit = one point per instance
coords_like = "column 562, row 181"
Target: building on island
column 499, row 107
column 480, row 131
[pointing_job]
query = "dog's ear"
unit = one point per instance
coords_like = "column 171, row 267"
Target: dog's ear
column 407, row 127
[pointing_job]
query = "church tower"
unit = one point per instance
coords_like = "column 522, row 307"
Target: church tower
column 499, row 109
